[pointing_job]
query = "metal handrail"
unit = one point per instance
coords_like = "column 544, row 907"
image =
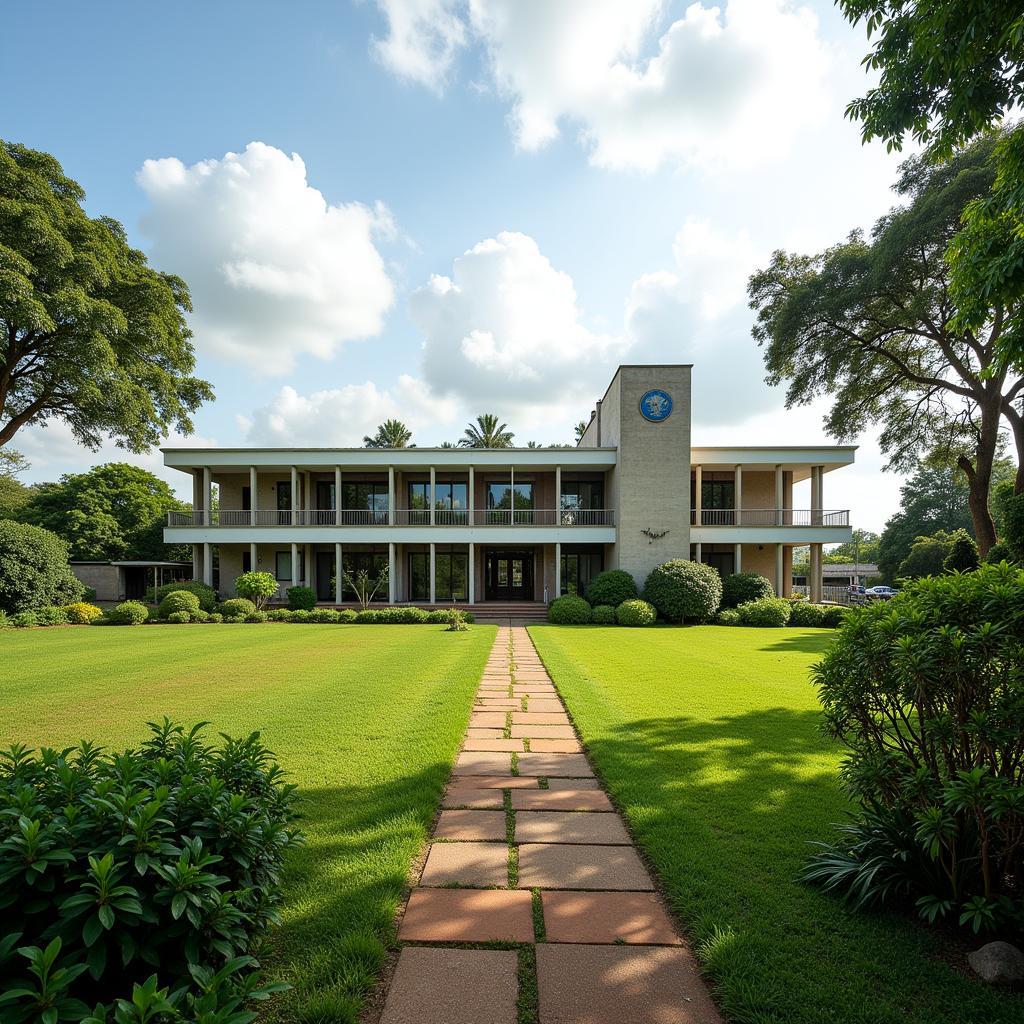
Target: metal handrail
column 402, row 517
column 770, row 517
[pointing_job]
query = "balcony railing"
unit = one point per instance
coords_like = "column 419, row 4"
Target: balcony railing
column 770, row 517
column 403, row 517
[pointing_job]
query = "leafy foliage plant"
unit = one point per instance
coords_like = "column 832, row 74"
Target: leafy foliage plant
column 683, row 591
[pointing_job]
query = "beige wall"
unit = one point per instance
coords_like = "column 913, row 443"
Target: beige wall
column 104, row 579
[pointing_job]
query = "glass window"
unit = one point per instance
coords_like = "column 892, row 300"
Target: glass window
column 283, row 566
column 451, row 495
column 324, row 495
column 419, row 576
column 582, row 494
column 419, row 494
column 373, row 563
column 451, row 576
column 718, row 494
column 579, row 568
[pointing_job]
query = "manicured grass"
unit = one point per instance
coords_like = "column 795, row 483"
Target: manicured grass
column 708, row 739
column 366, row 719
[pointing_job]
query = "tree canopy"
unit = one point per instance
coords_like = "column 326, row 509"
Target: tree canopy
column 112, row 511
column 870, row 323
column 89, row 333
column 487, row 432
column 390, row 434
column 14, row 495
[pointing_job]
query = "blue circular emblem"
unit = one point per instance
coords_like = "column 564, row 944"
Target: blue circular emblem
column 656, row 406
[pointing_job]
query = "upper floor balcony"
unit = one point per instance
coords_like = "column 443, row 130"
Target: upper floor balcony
column 800, row 517
column 370, row 517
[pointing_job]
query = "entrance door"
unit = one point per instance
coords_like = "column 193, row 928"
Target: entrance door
column 324, row 574
column 134, row 583
column 509, row 576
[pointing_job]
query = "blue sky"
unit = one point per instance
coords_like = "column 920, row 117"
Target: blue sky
column 434, row 208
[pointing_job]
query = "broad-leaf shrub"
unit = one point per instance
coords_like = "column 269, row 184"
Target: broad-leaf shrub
column 116, row 867
column 236, row 606
column 927, row 692
column 81, row 614
column 127, row 613
column 727, row 617
column 178, row 601
column 323, row 615
column 301, row 598
column 569, row 610
column 635, row 613
column 603, row 615
column 613, row 586
column 258, row 587
column 768, row 611
column 682, row 590
column 34, row 571
column 54, row 615
column 178, row 618
column 207, row 595
column 740, row 587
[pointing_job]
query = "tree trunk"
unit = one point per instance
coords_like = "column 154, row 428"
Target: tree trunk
column 979, row 475
column 1016, row 422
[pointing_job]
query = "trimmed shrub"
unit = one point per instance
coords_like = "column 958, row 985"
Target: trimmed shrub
column 51, row 616
column 636, row 613
column 768, row 611
column 682, row 590
column 368, row 615
column 207, row 595
column 939, row 825
column 727, row 617
column 200, row 616
column 963, row 553
column 177, row 618
column 833, row 615
column 34, row 571
column 128, row 613
column 199, row 883
column 611, row 587
column 347, row 615
column 215, row 617
column 258, row 587
column 81, row 614
column 439, row 617
column 298, row 615
column 405, row 616
column 603, row 615
column 278, row 615
column 301, row 598
column 323, row 615
column 999, row 552
column 740, row 587
column 236, row 606
column 178, row 601
column 803, row 613
column 569, row 611
column 23, row 620
column 256, row 617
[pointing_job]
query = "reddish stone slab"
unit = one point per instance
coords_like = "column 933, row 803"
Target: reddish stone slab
column 614, row 984
column 484, row 734
column 548, row 732
column 497, row 781
column 560, row 800
column 477, row 865
column 489, row 703
column 467, row 796
column 551, row 718
column 453, row 986
column 468, row 915
column 487, row 720
column 471, row 826
column 557, row 783
column 552, row 866
column 493, row 745
column 604, row 917
column 543, row 746
column 564, row 765
column 486, row 763
column 544, row 707
column 569, row 827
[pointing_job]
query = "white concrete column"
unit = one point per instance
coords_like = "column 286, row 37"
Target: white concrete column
column 295, row 564
column 391, row 563
column 512, row 495
column 558, row 570
column 253, row 491
column 558, row 497
column 817, row 495
column 337, row 502
column 780, row 498
column 309, row 500
column 472, row 571
column 698, row 552
column 309, row 568
column 338, row 570
column 469, row 500
column 698, row 501
column 737, row 558
column 779, row 563
column 253, row 558
column 433, row 572
column 295, row 504
column 739, row 494
column 197, row 562
column 207, row 496
column 815, row 580
column 208, row 564
column 391, row 498
column 433, row 508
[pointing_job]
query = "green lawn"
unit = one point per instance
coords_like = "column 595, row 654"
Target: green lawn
column 366, row 719
column 708, row 739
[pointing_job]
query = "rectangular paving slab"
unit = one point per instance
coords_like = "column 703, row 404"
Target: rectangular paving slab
column 570, row 827
column 478, row 865
column 550, row 718
column 547, row 732
column 557, row 783
column 476, row 762
column 467, row 796
column 487, row 720
column 606, row 917
column 560, row 800
column 471, row 826
column 497, row 781
column 468, row 915
column 544, row 746
column 494, row 746
column 551, row 866
column 573, row 765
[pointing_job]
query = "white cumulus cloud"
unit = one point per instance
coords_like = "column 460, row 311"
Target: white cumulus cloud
column 274, row 269
column 422, row 41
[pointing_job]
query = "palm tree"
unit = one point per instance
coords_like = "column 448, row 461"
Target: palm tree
column 448, row 444
column 390, row 434
column 487, row 432
column 581, row 429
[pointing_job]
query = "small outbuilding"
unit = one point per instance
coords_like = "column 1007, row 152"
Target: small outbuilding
column 128, row 580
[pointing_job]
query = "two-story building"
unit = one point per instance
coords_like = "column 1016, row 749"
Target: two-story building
column 483, row 526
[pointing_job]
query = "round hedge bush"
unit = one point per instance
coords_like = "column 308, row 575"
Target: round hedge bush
column 53, row 615
column 740, row 587
column 237, row 606
column 635, row 613
column 804, row 613
column 23, row 620
column 81, row 613
column 128, row 613
column 200, row 616
column 301, row 598
column 207, row 595
column 323, row 615
column 603, row 615
column 278, row 615
column 298, row 615
column 569, row 610
column 347, row 615
column 768, row 611
column 834, row 615
column 179, row 617
column 727, row 617
column 256, row 616
column 215, row 618
column 682, row 590
column 34, row 570
column 611, row 587
column 178, row 601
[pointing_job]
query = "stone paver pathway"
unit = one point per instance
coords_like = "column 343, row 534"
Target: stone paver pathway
column 529, row 853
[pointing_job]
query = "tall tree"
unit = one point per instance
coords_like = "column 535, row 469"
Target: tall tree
column 948, row 71
column 581, row 429
column 14, row 495
column 871, row 323
column 487, row 432
column 390, row 434
column 112, row 511
column 89, row 333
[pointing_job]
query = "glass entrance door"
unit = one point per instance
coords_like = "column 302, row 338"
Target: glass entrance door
column 509, row 576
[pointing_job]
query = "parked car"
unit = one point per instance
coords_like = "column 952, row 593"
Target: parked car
column 880, row 593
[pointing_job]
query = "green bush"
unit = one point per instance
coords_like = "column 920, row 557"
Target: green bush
column 727, row 617
column 81, row 614
column 233, row 619
column 768, row 611
column 439, row 617
column 740, row 587
column 23, row 620
column 323, row 615
column 611, row 587
column 256, row 617
column 636, row 613
column 963, row 553
column 215, row 618
column 298, row 615
column 368, row 615
column 207, row 595
column 257, row 587
column 160, row 861
column 301, row 598
column 347, row 615
column 236, row 606
column 999, row 552
column 51, row 616
column 177, row 618
column 925, row 692
column 278, row 615
column 407, row 615
column 569, row 610
column 200, row 616
column 128, row 613
column 803, row 613
column 34, row 571
column 603, row 615
column 178, row 601
column 833, row 616
column 683, row 590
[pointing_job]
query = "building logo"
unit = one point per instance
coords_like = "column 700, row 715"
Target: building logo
column 656, row 406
